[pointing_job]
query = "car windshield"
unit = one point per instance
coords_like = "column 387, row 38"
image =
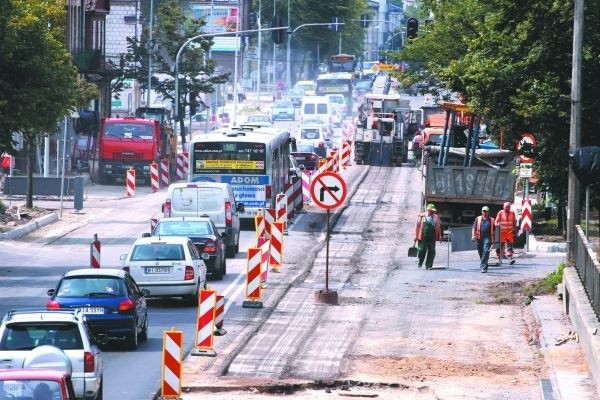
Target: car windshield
column 91, row 286
column 304, row 148
column 27, row 335
column 258, row 118
column 309, row 133
column 296, row 92
column 157, row 252
column 30, row 389
column 282, row 104
column 182, row 228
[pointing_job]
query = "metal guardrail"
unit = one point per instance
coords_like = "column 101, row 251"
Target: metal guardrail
column 588, row 268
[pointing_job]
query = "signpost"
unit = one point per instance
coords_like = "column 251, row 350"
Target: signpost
column 328, row 191
column 528, row 143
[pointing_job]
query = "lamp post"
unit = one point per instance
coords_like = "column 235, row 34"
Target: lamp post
column 289, row 42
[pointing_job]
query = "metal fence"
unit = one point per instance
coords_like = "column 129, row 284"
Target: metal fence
column 588, row 268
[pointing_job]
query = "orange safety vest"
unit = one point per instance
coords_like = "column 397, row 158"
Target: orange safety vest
column 421, row 225
column 477, row 227
column 507, row 225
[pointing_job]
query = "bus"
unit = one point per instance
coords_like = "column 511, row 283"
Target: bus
column 337, row 83
column 342, row 63
column 255, row 161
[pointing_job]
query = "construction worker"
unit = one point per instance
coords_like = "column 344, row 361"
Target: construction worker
column 508, row 229
column 427, row 231
column 483, row 232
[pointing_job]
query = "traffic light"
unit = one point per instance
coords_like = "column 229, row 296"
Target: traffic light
column 252, row 20
column 277, row 34
column 412, row 28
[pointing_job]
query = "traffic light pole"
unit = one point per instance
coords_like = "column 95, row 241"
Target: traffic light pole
column 289, row 42
column 205, row 35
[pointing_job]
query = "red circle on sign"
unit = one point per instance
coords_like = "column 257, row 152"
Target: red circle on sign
column 328, row 190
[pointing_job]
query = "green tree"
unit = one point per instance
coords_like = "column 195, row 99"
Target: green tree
column 511, row 61
column 37, row 80
column 197, row 72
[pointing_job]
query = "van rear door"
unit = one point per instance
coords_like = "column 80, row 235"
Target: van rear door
column 199, row 200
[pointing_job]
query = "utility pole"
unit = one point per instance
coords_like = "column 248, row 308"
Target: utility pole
column 150, row 49
column 574, row 186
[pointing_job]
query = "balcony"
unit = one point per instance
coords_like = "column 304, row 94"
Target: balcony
column 91, row 61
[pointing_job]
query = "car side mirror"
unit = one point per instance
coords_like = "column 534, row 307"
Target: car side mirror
column 145, row 292
column 146, row 234
column 162, row 208
column 122, row 257
column 50, row 292
column 240, row 207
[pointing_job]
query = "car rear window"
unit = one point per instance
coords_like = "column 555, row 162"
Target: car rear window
column 182, row 228
column 309, row 134
column 91, row 286
column 322, row 108
column 157, row 252
column 27, row 335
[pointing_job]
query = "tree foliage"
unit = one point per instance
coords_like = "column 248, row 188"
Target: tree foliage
column 197, row 72
column 37, row 80
column 511, row 61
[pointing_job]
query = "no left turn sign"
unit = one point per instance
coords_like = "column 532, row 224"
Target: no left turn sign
column 328, row 190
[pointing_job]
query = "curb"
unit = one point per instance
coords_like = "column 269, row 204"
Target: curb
column 23, row 230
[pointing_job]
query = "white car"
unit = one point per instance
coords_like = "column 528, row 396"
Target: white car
column 337, row 116
column 167, row 266
column 316, row 135
column 22, row 331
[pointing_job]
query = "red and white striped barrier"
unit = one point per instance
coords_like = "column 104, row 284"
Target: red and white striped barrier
column 276, row 249
column 164, row 172
column 290, row 194
column 306, row 180
column 346, row 148
column 154, row 185
column 270, row 217
column 95, row 252
column 335, row 159
column 253, row 286
column 526, row 215
column 205, row 325
column 264, row 244
column 220, row 316
column 130, row 182
column 329, row 159
column 172, row 356
column 180, row 166
column 281, row 208
column 298, row 201
column 260, row 226
column 322, row 165
column 186, row 163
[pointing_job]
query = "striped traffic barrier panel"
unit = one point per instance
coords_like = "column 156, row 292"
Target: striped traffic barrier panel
column 276, row 249
column 205, row 325
column 186, row 163
column 322, row 165
column 336, row 159
column 264, row 244
column 345, row 154
column 260, row 226
column 253, row 286
column 281, row 207
column 288, row 190
column 164, row 172
column 172, row 356
column 329, row 159
column 270, row 217
column 220, row 316
column 130, row 183
column 154, row 185
column 180, row 167
column 95, row 252
column 306, row 178
column 298, row 201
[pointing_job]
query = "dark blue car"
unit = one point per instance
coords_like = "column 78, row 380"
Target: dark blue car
column 113, row 304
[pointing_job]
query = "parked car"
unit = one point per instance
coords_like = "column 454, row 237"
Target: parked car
column 22, row 331
column 306, row 156
column 205, row 235
column 113, row 304
column 199, row 123
column 167, row 266
column 259, row 118
column 295, row 96
column 47, row 377
column 316, row 136
column 283, row 109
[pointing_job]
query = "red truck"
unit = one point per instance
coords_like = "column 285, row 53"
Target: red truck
column 129, row 142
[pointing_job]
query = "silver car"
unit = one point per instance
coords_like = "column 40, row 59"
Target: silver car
column 23, row 330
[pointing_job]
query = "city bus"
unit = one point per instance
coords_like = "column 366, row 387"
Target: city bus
column 337, row 83
column 255, row 161
column 341, row 63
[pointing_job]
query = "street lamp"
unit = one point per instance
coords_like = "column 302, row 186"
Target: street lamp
column 289, row 42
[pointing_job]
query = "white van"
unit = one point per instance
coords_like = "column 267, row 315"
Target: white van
column 316, row 107
column 214, row 199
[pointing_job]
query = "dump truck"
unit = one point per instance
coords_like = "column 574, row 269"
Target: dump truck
column 461, row 178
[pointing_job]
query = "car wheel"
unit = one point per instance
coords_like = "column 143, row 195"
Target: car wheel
column 193, row 299
column 100, row 390
column 132, row 339
column 230, row 251
column 218, row 271
column 143, row 336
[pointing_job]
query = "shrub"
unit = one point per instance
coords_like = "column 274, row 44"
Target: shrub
column 548, row 284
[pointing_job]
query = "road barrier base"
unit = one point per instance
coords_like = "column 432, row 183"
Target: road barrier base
column 204, row 352
column 220, row 332
column 252, row 304
column 326, row 297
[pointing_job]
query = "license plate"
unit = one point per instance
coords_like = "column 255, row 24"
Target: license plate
column 92, row 310
column 14, row 389
column 158, row 270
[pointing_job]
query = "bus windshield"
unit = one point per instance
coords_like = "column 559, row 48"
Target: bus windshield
column 229, row 158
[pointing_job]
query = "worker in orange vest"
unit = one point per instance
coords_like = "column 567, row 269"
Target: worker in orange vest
column 508, row 228
column 483, row 233
column 427, row 231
